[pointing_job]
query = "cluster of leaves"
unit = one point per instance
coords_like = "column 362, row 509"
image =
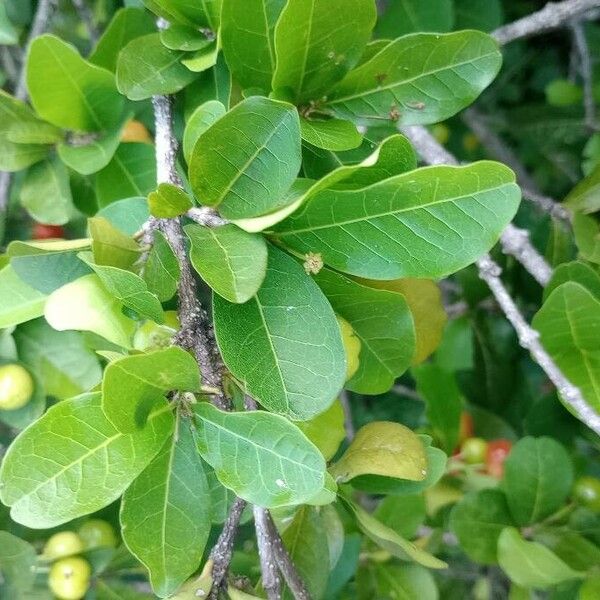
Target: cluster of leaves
column 322, row 282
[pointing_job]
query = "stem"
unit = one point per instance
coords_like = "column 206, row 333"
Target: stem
column 587, row 74
column 348, row 422
column 87, row 18
column 553, row 15
column 223, row 550
column 271, row 581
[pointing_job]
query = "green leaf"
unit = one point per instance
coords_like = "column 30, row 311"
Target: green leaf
column 73, row 462
column 110, row 246
column 65, row 365
column 129, row 288
column 262, row 457
column 577, row 551
column 161, row 272
column 332, row 134
column 414, row 16
column 383, row 448
column 285, row 343
column 19, row 302
column 134, row 385
column 403, row 514
column 569, row 322
column 326, row 431
column 231, row 261
column 68, row 91
column 48, row 265
column 131, row 172
column 169, row 201
column 204, row 13
column 418, row 79
column 472, row 14
column 538, row 476
column 93, row 156
column 8, row 34
column 577, row 272
column 126, row 215
column 247, row 36
column 587, row 237
column 46, row 194
column 202, row 59
column 184, row 37
column 427, row 223
column 246, row 161
column 145, row 68
column 478, row 520
column 315, row 47
column 389, row 540
column 200, row 120
column 126, row 25
column 303, row 540
column 405, row 581
column 165, row 513
column 530, row 564
column 85, row 305
column 14, row 157
column 18, row 561
column 444, row 403
column 436, row 467
column 383, row 323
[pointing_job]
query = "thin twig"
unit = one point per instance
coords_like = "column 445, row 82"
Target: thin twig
column 587, row 74
column 553, row 15
column 284, row 561
column 87, row 18
column 222, row 551
column 514, row 241
column 271, row 579
column 490, row 272
column 348, row 421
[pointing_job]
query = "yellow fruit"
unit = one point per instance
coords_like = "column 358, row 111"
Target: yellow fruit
column 16, row 387
column 134, row 131
column 351, row 346
column 63, row 544
column 97, row 533
column 69, row 578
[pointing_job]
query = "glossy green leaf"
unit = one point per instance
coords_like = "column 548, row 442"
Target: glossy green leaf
column 14, row 157
column 436, row 467
column 383, row 448
column 73, row 462
column 126, row 215
column 472, row 14
column 333, row 134
column 65, row 365
column 444, row 403
column 478, row 520
column 145, row 67
column 131, row 172
column 247, row 36
column 406, row 581
column 184, row 37
column 48, row 265
column 204, row 13
column 402, row 17
column 134, row 385
column 165, row 513
column 126, row 25
column 383, row 323
column 168, row 201
column 577, row 551
column 18, row 561
column 46, row 194
column 285, row 343
column 569, row 325
column 19, row 302
column 304, row 542
column 246, row 161
column 110, row 246
column 262, row 457
column 418, row 79
column 530, row 564
column 129, row 288
column 86, row 305
column 315, row 47
column 577, row 272
column 389, row 540
column 161, row 272
column 85, row 100
column 200, row 120
column 425, row 223
column 326, row 431
column 231, row 261
column 403, row 514
column 203, row 59
column 538, row 476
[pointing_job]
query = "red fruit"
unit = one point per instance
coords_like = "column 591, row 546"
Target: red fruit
column 497, row 452
column 41, row 231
